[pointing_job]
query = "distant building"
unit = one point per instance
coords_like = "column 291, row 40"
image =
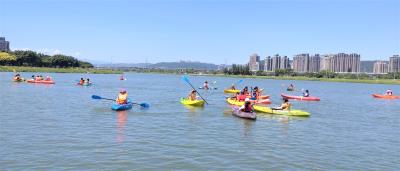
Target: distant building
column 4, row 45
column 381, row 67
column 276, row 62
column 254, row 63
column 306, row 63
column 394, row 63
column 341, row 63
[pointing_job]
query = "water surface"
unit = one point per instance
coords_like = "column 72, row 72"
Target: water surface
column 59, row 127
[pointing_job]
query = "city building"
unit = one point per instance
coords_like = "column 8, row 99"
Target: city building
column 381, row 67
column 276, row 62
column 304, row 63
column 254, row 63
column 394, row 63
column 341, row 63
column 4, row 45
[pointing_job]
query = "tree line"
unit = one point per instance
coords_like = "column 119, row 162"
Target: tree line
column 34, row 59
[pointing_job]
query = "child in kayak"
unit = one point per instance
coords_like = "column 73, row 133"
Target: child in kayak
column 241, row 97
column 306, row 93
column 17, row 77
column 247, row 107
column 245, row 90
column 81, row 81
column 122, row 97
column 192, row 95
column 87, row 81
column 291, row 87
column 233, row 87
column 48, row 78
column 389, row 92
column 205, row 85
column 256, row 93
column 285, row 105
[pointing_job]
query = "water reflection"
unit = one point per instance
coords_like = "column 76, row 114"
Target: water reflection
column 194, row 109
column 122, row 117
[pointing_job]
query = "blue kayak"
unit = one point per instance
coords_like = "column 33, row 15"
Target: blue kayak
column 119, row 107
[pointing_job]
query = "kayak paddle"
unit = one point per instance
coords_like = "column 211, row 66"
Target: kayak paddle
column 186, row 79
column 145, row 105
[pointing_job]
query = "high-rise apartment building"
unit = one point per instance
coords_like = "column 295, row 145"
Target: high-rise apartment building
column 381, row 67
column 276, row 62
column 4, row 45
column 341, row 63
column 394, row 63
column 254, row 63
column 306, row 63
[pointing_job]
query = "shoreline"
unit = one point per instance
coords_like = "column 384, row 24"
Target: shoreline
column 366, row 81
column 301, row 78
column 58, row 70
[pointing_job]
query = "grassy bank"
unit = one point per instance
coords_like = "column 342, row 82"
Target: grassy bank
column 57, row 70
column 368, row 81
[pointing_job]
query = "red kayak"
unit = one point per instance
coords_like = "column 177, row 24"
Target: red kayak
column 309, row 98
column 381, row 96
column 41, row 81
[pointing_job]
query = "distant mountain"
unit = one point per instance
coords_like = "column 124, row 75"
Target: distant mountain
column 184, row 65
column 164, row 65
column 367, row 66
column 124, row 65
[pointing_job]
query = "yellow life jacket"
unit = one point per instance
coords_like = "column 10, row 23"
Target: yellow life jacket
column 122, row 98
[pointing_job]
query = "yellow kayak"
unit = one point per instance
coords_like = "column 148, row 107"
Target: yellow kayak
column 231, row 91
column 263, row 109
column 185, row 101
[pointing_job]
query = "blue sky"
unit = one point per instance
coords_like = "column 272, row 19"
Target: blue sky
column 215, row 31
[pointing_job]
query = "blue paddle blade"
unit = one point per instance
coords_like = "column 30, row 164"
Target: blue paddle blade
column 185, row 78
column 145, row 105
column 96, row 97
column 240, row 81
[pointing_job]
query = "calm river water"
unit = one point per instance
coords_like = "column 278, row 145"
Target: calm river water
column 59, row 127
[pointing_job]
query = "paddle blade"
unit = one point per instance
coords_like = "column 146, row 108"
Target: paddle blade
column 240, row 81
column 185, row 78
column 145, row 105
column 96, row 97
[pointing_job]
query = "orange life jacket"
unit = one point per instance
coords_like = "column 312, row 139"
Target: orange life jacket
column 122, row 98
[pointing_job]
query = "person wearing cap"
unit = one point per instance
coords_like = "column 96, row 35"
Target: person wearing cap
column 192, row 95
column 389, row 92
column 122, row 97
column 285, row 105
column 247, row 107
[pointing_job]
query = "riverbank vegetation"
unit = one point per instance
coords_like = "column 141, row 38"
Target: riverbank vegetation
column 58, row 70
column 30, row 61
column 34, row 59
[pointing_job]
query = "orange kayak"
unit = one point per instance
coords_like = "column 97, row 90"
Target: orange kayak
column 40, row 81
column 381, row 96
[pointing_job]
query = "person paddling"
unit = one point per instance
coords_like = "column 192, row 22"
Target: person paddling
column 48, row 78
column 241, row 97
column 87, row 81
column 192, row 95
column 284, row 106
column 81, row 81
column 247, row 107
column 205, row 85
column 291, row 87
column 389, row 92
column 233, row 87
column 245, row 90
column 17, row 77
column 122, row 97
column 306, row 93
